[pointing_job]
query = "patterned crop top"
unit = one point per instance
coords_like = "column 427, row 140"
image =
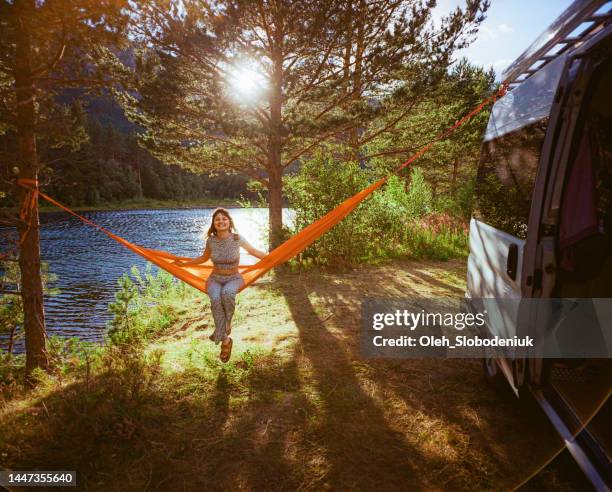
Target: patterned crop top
column 225, row 253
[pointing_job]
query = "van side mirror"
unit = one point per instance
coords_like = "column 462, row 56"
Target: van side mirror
column 512, row 261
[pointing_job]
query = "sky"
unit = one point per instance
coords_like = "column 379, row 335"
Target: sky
column 510, row 27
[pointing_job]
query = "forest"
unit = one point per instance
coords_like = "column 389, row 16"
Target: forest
column 202, row 203
column 296, row 104
column 110, row 166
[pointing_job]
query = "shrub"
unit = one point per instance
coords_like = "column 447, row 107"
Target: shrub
column 11, row 305
column 322, row 184
column 144, row 305
column 460, row 203
column 397, row 220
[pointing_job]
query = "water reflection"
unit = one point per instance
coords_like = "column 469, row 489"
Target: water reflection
column 88, row 263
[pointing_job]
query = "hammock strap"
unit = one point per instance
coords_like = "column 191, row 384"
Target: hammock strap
column 191, row 275
column 25, row 214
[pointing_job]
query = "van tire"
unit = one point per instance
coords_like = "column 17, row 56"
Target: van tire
column 492, row 373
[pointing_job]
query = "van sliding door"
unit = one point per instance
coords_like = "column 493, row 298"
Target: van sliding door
column 504, row 190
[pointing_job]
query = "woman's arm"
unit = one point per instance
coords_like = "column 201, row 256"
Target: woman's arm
column 251, row 250
column 196, row 261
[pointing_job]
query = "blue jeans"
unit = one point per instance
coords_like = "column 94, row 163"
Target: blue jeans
column 222, row 291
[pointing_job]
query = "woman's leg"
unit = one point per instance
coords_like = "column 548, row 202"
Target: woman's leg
column 228, row 296
column 214, row 289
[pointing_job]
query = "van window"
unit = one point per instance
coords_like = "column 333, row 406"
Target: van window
column 527, row 103
column 506, row 177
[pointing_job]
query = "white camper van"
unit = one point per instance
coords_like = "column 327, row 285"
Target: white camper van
column 542, row 226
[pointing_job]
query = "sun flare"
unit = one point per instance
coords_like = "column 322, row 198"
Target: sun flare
column 247, row 81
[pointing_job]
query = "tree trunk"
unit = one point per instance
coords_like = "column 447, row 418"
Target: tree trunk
column 275, row 179
column 275, row 165
column 455, row 174
column 357, row 75
column 350, row 137
column 275, row 203
column 29, row 254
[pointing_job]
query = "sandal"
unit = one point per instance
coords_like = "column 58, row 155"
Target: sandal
column 226, row 350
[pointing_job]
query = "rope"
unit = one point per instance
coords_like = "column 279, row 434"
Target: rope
column 25, row 212
column 490, row 100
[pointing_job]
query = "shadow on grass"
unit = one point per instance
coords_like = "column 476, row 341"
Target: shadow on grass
column 429, row 420
column 314, row 416
column 362, row 450
column 242, row 429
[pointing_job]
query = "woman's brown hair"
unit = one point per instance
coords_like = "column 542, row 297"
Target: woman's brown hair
column 212, row 230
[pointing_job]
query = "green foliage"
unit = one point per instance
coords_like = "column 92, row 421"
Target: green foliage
column 321, row 184
column 125, row 309
column 417, row 199
column 436, row 237
column 71, row 354
column 397, row 220
column 12, row 369
column 459, row 203
column 347, row 74
column 449, row 166
column 144, row 305
column 389, row 209
column 256, row 195
column 11, row 305
column 65, row 64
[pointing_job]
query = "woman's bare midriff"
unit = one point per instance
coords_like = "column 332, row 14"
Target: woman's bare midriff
column 219, row 271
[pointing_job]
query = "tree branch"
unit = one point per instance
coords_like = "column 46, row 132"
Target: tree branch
column 208, row 136
column 392, row 152
column 317, row 73
column 46, row 68
column 317, row 142
column 388, row 126
column 75, row 82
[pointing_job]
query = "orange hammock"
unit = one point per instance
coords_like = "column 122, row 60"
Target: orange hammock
column 196, row 275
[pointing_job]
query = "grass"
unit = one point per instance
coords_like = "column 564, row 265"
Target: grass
column 297, row 407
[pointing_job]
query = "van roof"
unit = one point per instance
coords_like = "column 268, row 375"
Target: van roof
column 580, row 20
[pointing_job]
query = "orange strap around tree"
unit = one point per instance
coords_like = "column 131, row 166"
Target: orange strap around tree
column 25, row 215
column 196, row 275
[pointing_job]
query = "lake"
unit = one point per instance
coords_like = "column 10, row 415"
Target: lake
column 88, row 263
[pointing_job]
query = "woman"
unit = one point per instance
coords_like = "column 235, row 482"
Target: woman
column 223, row 248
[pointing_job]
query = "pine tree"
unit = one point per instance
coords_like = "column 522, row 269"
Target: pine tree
column 255, row 86
column 450, row 165
column 47, row 47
